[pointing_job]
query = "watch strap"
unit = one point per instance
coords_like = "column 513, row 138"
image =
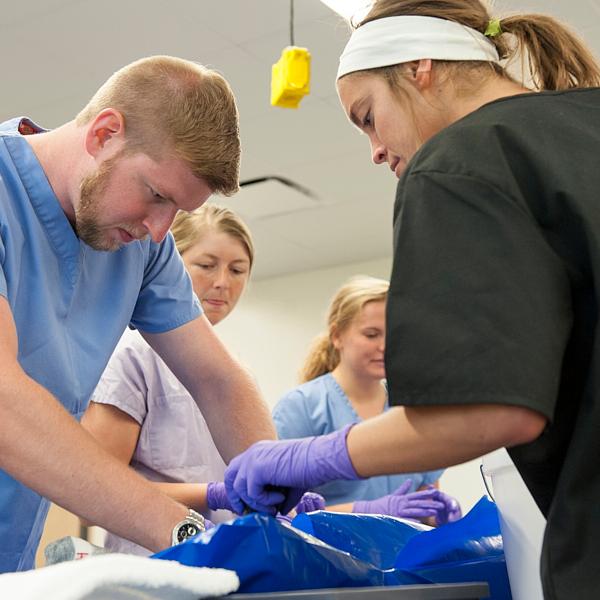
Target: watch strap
column 192, row 525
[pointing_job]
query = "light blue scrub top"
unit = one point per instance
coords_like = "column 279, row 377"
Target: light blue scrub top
column 321, row 406
column 71, row 305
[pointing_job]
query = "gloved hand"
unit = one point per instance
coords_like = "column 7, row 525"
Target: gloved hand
column 295, row 465
column 451, row 511
column 216, row 496
column 216, row 499
column 309, row 502
column 401, row 503
column 283, row 519
column 430, row 502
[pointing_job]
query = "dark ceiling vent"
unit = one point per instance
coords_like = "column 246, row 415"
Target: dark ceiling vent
column 283, row 180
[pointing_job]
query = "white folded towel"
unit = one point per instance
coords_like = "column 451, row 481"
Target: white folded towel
column 118, row 577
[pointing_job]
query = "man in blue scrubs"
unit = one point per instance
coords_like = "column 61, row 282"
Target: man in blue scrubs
column 85, row 251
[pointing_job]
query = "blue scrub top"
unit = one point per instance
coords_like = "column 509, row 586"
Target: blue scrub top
column 321, row 406
column 71, row 305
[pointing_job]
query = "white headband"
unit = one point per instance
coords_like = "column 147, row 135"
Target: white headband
column 394, row 40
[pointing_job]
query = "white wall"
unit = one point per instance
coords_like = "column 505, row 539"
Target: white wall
column 274, row 324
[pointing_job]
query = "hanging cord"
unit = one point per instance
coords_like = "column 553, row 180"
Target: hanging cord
column 291, row 22
column 487, row 489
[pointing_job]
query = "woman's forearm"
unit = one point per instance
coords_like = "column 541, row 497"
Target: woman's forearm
column 192, row 495
column 416, row 439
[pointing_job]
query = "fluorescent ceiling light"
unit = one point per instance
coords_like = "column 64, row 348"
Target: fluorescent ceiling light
column 350, row 9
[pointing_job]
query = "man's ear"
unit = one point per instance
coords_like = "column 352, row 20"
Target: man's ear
column 105, row 133
column 421, row 72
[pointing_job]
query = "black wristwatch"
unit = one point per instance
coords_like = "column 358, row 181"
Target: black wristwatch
column 192, row 525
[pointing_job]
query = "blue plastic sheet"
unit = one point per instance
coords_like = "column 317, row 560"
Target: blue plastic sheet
column 467, row 550
column 376, row 539
column 470, row 549
column 351, row 551
column 269, row 556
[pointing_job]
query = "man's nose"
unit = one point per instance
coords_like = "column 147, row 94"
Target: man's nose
column 159, row 222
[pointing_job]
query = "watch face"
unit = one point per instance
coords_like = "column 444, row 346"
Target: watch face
column 186, row 531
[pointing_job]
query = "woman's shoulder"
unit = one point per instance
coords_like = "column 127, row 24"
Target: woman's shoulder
column 313, row 391
column 483, row 142
column 305, row 409
column 133, row 347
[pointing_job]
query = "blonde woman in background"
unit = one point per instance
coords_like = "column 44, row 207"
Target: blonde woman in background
column 140, row 412
column 343, row 382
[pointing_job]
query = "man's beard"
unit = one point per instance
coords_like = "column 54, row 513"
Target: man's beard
column 88, row 211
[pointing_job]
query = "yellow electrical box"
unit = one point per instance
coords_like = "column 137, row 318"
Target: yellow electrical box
column 290, row 77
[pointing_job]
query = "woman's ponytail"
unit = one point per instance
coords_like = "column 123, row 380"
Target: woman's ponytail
column 557, row 59
column 322, row 358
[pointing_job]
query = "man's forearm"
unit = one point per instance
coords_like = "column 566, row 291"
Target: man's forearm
column 415, row 439
column 236, row 414
column 42, row 446
column 227, row 396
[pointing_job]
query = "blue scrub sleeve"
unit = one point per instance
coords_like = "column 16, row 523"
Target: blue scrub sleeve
column 3, row 286
column 166, row 299
column 291, row 418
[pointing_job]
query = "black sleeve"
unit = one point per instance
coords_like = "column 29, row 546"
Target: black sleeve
column 479, row 308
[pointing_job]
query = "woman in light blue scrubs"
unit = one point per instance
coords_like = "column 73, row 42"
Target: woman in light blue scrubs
column 343, row 382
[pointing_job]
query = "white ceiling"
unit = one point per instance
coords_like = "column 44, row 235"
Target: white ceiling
column 55, row 53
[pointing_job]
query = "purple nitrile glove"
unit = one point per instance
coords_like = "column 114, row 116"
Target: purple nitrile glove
column 292, row 466
column 216, row 499
column 310, row 502
column 283, row 519
column 404, row 504
column 216, row 496
column 451, row 511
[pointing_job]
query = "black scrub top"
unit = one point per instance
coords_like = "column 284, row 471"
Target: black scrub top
column 494, row 299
